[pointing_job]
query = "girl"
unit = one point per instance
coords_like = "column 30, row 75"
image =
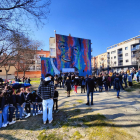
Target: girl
column 76, row 83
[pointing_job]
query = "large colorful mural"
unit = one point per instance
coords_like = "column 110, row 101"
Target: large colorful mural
column 71, row 52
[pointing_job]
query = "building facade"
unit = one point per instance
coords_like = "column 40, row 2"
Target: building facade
column 123, row 55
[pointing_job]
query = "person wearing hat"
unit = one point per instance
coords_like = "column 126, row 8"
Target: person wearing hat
column 46, row 92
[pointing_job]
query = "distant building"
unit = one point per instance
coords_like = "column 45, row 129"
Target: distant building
column 123, row 55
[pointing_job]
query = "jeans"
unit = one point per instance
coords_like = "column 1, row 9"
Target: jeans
column 63, row 82
column 118, row 91
column 100, row 87
column 0, row 119
column 20, row 111
column 35, row 107
column 23, row 107
column 11, row 111
column 28, row 108
column 5, row 114
column 89, row 92
column 47, row 104
column 125, row 83
column 106, row 86
column 121, row 85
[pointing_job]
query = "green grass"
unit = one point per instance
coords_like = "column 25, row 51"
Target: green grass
column 136, row 85
column 80, row 101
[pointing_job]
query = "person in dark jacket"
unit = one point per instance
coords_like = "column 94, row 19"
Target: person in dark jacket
column 28, row 100
column 83, row 84
column 55, row 99
column 68, row 85
column 29, row 80
column 90, row 89
column 125, row 79
column 117, row 85
column 100, row 83
column 19, row 101
column 120, row 77
column 12, row 106
column 35, row 100
column 46, row 92
column 76, row 83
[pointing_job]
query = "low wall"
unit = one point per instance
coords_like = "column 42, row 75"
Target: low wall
column 31, row 74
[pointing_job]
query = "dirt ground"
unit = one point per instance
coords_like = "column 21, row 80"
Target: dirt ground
column 109, row 118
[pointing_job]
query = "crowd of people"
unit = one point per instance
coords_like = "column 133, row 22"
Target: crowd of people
column 21, row 102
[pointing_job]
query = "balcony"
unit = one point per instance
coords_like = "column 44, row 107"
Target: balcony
column 134, row 62
column 120, row 52
column 108, row 55
column 134, row 49
column 120, row 64
column 120, row 58
column 133, row 55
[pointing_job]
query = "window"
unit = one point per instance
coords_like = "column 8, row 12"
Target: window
column 127, row 60
column 111, row 57
column 113, row 52
column 126, row 48
column 126, row 54
column 114, row 57
column 115, row 62
column 0, row 70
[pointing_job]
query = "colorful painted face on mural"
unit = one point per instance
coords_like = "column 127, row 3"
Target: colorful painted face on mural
column 68, row 52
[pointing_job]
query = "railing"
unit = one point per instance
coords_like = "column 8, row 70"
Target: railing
column 120, row 52
column 120, row 64
column 134, row 49
column 120, row 58
column 134, row 62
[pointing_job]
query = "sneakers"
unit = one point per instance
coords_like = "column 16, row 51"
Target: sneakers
column 36, row 113
column 28, row 115
column 50, row 121
column 4, row 125
column 33, row 114
column 44, row 122
column 87, row 103
column 12, row 122
column 41, row 112
column 91, row 103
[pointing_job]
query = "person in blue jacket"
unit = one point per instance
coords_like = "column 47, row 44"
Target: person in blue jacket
column 117, row 85
column 137, row 75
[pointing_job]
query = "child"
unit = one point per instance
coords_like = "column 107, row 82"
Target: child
column 130, row 80
column 28, row 101
column 35, row 99
column 19, row 102
column 12, row 106
column 55, row 99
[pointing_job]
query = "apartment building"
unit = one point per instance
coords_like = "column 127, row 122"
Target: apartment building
column 122, row 55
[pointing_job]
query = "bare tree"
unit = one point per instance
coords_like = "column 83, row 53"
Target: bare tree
column 15, row 17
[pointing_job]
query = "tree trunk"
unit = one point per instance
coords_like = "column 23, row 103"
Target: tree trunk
column 6, row 74
column 17, row 73
column 24, row 73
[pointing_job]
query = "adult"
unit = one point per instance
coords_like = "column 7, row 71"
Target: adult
column 83, row 83
column 68, row 85
column 100, row 83
column 46, row 92
column 90, row 89
column 117, row 85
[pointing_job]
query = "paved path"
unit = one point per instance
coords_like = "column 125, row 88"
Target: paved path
column 123, row 112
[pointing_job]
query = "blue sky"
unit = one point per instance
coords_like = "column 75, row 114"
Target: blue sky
column 105, row 22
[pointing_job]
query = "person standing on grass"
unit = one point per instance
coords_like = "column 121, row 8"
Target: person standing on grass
column 46, row 92
column 117, row 85
column 76, row 83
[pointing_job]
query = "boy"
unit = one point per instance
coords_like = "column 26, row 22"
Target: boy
column 55, row 99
